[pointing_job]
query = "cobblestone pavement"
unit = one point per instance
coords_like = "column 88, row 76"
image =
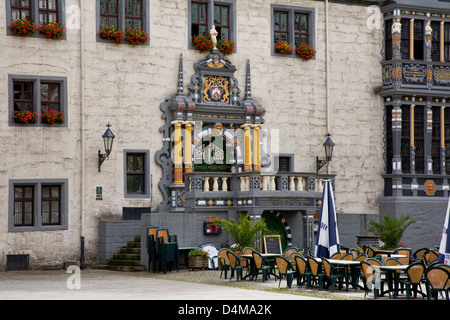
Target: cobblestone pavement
column 94, row 284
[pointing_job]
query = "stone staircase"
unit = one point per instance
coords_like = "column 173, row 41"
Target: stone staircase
column 128, row 258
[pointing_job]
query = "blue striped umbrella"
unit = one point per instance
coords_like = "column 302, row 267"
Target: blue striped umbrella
column 444, row 247
column 327, row 242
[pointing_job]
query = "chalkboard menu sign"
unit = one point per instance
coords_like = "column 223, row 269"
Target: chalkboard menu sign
column 272, row 244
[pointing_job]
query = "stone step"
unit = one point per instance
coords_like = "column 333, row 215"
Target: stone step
column 126, row 250
column 121, row 268
column 126, row 256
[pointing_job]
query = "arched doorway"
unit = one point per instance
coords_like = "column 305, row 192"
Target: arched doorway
column 276, row 222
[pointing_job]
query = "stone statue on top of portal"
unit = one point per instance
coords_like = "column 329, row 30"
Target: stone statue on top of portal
column 214, row 34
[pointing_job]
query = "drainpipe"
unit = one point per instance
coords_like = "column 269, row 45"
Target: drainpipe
column 82, row 145
column 327, row 59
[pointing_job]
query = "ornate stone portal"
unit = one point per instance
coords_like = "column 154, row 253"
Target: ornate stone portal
column 213, row 159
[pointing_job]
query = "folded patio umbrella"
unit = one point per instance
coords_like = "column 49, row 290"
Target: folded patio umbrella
column 327, row 242
column 444, row 247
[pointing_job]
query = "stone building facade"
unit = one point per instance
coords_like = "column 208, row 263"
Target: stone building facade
column 129, row 87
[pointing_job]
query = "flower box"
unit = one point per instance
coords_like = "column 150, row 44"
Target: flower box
column 305, row 51
column 52, row 30
column 202, row 43
column 136, row 36
column 111, row 33
column 25, row 117
column 52, row 117
column 283, row 47
column 226, row 47
column 22, row 28
column 197, row 262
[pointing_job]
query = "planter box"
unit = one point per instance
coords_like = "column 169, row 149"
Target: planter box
column 197, row 263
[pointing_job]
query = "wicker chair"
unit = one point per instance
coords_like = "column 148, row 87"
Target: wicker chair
column 260, row 266
column 289, row 250
column 369, row 279
column 334, row 274
column 284, row 269
column 237, row 265
column 418, row 254
column 291, row 259
column 437, row 279
column 224, row 261
column 414, row 278
column 317, row 275
column 303, row 273
column 336, row 256
column 406, row 252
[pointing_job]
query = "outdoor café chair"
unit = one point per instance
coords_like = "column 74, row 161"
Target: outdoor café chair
column 287, row 251
column 291, row 259
column 406, row 252
column 418, row 254
column 437, row 279
column 225, row 262
column 237, row 264
column 284, row 269
column 317, row 274
column 414, row 278
column 213, row 252
column 371, row 279
column 260, row 266
column 303, row 273
column 336, row 256
column 333, row 274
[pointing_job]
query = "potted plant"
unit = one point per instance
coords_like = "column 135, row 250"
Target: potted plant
column 111, row 33
column 202, row 43
column 136, row 36
column 25, row 117
column 197, row 259
column 283, row 47
column 226, row 47
column 305, row 51
column 52, row 117
column 245, row 232
column 390, row 230
column 22, row 28
column 52, row 30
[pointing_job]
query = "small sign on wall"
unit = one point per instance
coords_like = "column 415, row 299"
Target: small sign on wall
column 99, row 193
column 209, row 227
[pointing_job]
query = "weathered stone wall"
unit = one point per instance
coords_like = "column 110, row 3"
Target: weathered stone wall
column 125, row 85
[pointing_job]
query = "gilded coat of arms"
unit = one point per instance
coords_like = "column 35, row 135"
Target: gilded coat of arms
column 216, row 89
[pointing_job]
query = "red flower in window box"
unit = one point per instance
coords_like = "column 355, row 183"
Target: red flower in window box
column 52, row 117
column 52, row 30
column 22, row 27
column 305, row 51
column 136, row 36
column 283, row 47
column 111, row 33
column 25, row 117
column 225, row 46
column 202, row 43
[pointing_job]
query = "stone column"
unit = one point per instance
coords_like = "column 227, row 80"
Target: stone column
column 188, row 146
column 413, row 146
column 428, row 136
column 428, row 39
column 177, row 154
column 247, row 148
column 396, row 38
column 256, row 148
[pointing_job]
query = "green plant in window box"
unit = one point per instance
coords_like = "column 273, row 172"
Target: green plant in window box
column 136, row 36
column 52, row 117
column 25, row 117
column 52, row 30
column 22, row 28
column 305, row 51
column 111, row 33
column 283, row 47
column 226, row 47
